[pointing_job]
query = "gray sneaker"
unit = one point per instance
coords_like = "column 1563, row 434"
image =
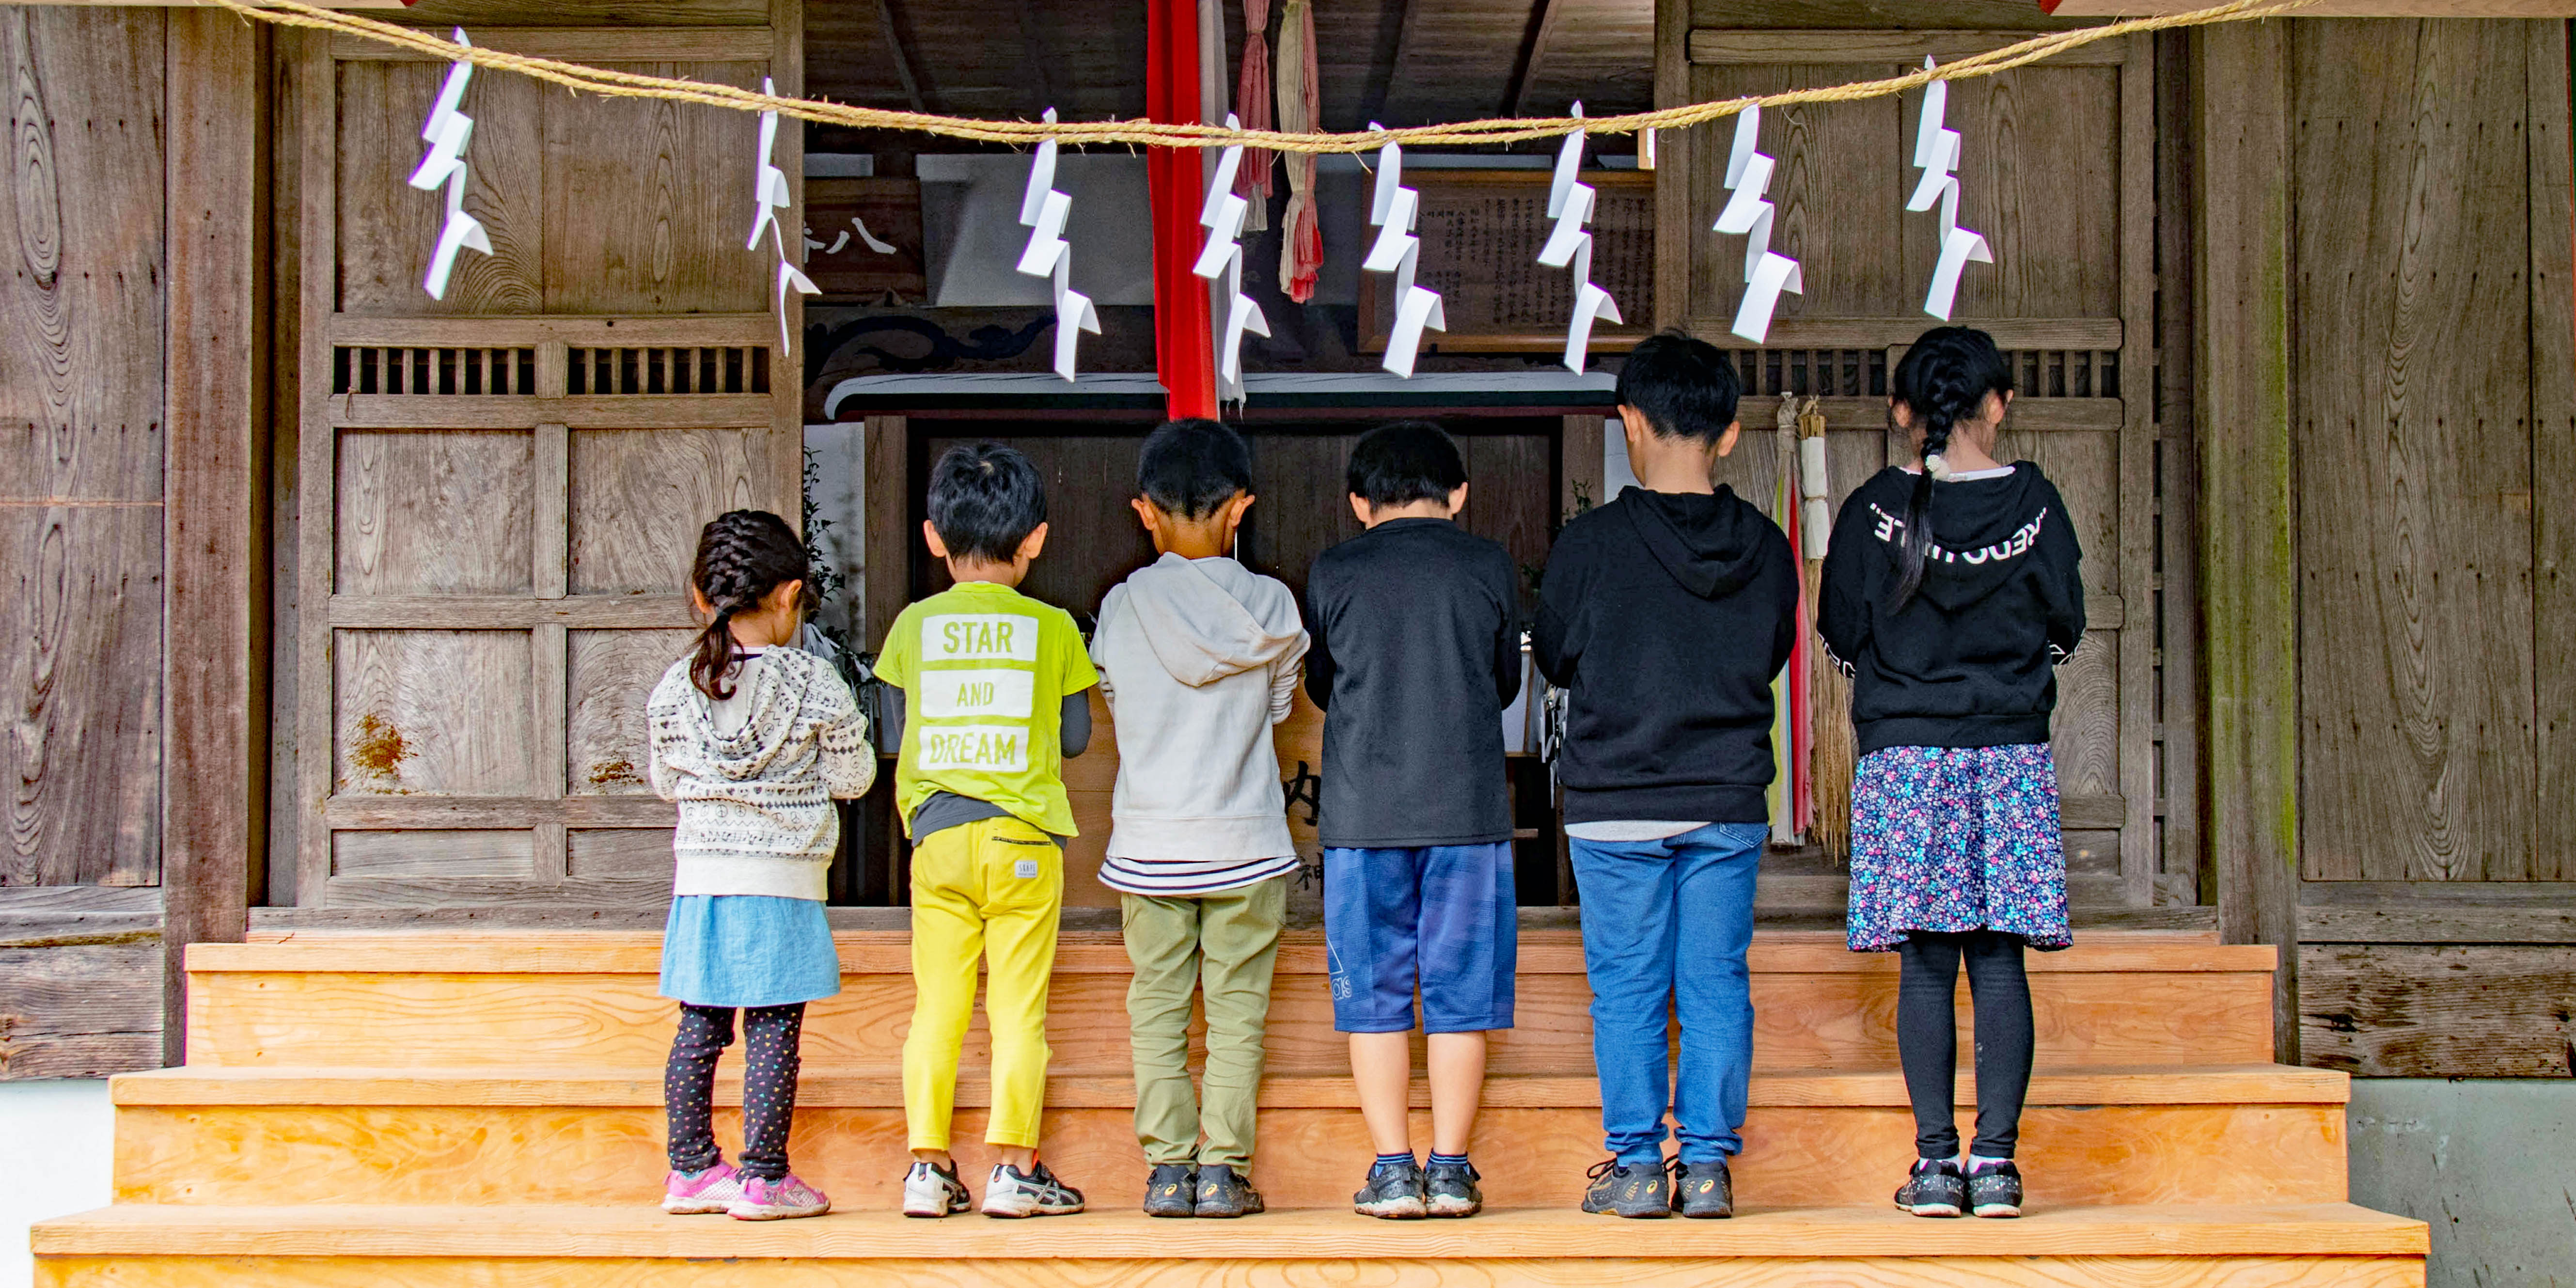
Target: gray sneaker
column 1449, row 1189
column 1223, row 1194
column 1996, row 1190
column 1703, row 1192
column 1934, row 1188
column 1638, row 1192
column 1171, row 1189
column 1394, row 1192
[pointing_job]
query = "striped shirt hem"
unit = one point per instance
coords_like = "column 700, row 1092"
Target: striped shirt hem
column 1183, row 877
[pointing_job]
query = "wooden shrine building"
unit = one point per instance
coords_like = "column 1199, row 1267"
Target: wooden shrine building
column 334, row 605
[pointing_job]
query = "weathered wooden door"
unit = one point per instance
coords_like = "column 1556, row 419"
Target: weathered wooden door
column 2058, row 173
column 499, row 494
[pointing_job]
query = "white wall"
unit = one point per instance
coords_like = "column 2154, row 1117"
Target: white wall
column 57, row 1139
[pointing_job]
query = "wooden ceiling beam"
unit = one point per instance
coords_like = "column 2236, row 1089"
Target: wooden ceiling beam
column 1542, row 25
column 2325, row 8
column 1034, row 76
column 1399, row 14
column 902, row 55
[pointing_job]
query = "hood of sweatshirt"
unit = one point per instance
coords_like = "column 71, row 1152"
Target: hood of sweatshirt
column 1710, row 543
column 1983, row 531
column 1207, row 619
column 742, row 734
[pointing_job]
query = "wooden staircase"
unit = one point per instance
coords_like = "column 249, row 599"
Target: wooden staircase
column 485, row 1108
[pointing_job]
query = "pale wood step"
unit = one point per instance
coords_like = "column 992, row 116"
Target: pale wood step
column 1867, row 1247
column 2257, row 1134
column 590, row 999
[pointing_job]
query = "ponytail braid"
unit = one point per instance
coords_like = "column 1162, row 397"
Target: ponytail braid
column 742, row 556
column 1942, row 380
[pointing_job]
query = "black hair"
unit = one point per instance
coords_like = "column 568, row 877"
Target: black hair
column 1942, row 380
column 1685, row 386
column 985, row 499
column 742, row 556
column 1190, row 467
column 1404, row 461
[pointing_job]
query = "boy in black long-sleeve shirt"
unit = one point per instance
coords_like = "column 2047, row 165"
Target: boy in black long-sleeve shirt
column 1416, row 652
column 1667, row 612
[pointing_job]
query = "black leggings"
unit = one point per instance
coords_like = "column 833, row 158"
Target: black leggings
column 1927, row 1037
column 768, row 1086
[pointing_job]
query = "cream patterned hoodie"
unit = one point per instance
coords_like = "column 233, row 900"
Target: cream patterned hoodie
column 756, row 773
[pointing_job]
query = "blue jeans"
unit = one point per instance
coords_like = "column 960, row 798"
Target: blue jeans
column 1667, row 922
column 1442, row 920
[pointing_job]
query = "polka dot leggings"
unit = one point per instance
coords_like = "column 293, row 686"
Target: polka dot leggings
column 771, row 1035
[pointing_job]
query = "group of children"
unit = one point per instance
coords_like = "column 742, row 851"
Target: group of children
column 1950, row 590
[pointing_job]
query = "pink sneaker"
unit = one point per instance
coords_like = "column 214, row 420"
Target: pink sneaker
column 716, row 1189
column 777, row 1200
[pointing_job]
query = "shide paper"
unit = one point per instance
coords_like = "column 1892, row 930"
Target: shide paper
column 1042, row 212
column 1748, row 215
column 447, row 131
column 1570, row 202
column 1393, row 208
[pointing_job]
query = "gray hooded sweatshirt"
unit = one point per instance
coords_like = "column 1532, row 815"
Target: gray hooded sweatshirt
column 1198, row 658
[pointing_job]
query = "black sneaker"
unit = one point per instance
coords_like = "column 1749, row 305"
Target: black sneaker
column 1221, row 1193
column 1449, row 1189
column 1705, row 1192
column 1934, row 1188
column 1996, row 1190
column 1394, row 1192
column 1627, row 1191
column 1171, row 1189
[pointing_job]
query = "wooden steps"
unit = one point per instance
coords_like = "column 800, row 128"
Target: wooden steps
column 2182, row 1245
column 485, row 1108
column 2236, row 1134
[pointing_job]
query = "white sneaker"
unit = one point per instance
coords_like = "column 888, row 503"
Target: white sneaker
column 932, row 1191
column 1014, row 1193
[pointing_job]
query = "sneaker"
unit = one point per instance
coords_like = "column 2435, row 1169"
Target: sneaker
column 1627, row 1191
column 1171, row 1189
column 932, row 1190
column 778, row 1200
column 1010, row 1192
column 1705, row 1191
column 1935, row 1188
column 1394, row 1192
column 1996, row 1190
column 1224, row 1194
column 1449, row 1189
column 702, row 1192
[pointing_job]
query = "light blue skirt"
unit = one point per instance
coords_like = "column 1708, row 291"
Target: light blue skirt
column 748, row 950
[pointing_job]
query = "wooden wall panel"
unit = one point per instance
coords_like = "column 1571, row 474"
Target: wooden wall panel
column 2548, row 137
column 1848, row 250
column 644, row 201
column 2037, row 178
column 495, row 854
column 2415, row 608
column 80, row 1010
column 81, row 447
column 609, row 677
column 639, row 499
column 434, row 512
column 430, row 711
column 387, row 229
column 620, row 852
column 2436, row 1010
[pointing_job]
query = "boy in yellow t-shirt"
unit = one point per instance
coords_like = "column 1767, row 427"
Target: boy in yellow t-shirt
column 992, row 684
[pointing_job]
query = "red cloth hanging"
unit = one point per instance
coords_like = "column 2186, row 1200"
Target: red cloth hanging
column 1182, row 354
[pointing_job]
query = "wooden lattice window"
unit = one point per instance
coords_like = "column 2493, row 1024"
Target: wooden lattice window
column 705, row 369
column 384, row 369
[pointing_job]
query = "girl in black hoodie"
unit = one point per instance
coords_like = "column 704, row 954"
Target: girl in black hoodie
column 1951, row 591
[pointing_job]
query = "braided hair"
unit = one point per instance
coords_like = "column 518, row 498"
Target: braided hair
column 1943, row 380
column 742, row 556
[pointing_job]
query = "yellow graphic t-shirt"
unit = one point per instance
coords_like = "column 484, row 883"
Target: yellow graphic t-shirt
column 984, row 670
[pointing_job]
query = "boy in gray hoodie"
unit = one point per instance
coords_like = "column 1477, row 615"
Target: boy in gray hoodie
column 1198, row 658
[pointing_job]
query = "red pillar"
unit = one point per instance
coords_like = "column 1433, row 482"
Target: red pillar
column 1181, row 352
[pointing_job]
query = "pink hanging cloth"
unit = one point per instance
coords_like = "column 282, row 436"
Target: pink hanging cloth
column 1301, row 242
column 1252, row 92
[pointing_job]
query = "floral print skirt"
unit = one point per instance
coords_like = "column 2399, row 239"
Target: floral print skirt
column 1954, row 839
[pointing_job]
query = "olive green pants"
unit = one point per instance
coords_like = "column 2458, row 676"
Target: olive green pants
column 1225, row 946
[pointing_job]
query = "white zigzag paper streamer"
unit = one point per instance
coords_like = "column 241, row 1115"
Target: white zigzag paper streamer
column 1748, row 214
column 447, row 131
column 774, row 195
column 1393, row 208
column 1936, row 151
column 1222, row 256
column 1043, row 211
column 1569, row 203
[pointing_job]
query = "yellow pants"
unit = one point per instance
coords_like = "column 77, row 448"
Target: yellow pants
column 990, row 891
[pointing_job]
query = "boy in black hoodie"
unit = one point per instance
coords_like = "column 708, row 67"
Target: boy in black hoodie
column 1667, row 612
